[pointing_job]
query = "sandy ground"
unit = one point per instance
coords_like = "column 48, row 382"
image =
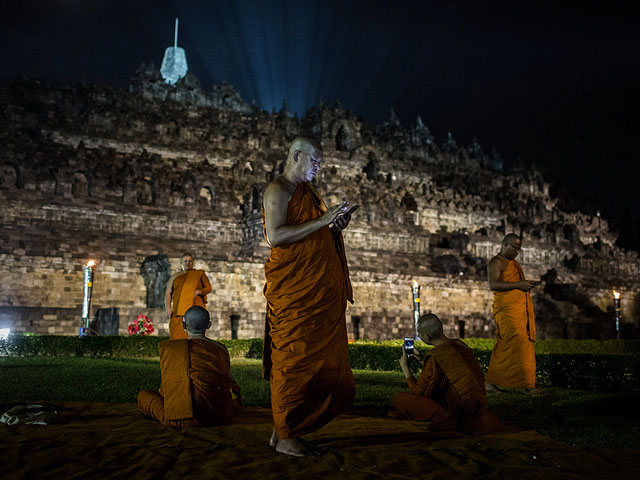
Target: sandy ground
column 112, row 440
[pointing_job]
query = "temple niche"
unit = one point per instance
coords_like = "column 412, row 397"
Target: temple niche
column 207, row 197
column 81, row 186
column 137, row 178
column 9, row 176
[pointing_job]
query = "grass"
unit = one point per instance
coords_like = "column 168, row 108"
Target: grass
column 76, row 378
column 577, row 417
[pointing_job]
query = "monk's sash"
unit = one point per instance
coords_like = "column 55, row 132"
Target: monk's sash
column 515, row 304
column 176, row 385
column 184, row 286
column 211, row 383
column 456, row 361
column 338, row 241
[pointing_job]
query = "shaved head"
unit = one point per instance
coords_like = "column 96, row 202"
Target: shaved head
column 196, row 320
column 305, row 144
column 510, row 238
column 430, row 325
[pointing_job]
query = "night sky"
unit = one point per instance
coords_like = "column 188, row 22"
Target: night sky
column 555, row 86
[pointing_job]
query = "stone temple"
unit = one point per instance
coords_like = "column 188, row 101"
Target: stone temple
column 135, row 178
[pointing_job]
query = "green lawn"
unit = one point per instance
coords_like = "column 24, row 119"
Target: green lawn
column 578, row 417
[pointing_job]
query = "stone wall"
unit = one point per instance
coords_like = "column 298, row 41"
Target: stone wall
column 96, row 173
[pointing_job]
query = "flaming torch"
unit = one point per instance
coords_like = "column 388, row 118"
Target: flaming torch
column 88, row 271
column 616, row 304
column 415, row 290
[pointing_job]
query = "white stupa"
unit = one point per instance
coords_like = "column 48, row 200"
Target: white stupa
column 174, row 63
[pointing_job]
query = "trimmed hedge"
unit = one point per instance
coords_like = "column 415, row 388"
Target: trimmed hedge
column 584, row 371
column 584, row 364
column 560, row 346
column 107, row 346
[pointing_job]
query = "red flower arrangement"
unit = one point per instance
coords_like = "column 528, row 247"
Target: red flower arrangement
column 142, row 326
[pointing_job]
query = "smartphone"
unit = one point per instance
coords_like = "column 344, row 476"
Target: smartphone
column 407, row 347
column 351, row 210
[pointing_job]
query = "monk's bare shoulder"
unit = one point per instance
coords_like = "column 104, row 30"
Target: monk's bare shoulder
column 277, row 191
column 173, row 277
column 495, row 268
column 498, row 262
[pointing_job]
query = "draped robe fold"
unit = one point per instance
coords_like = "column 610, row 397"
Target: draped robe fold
column 183, row 297
column 450, row 387
column 513, row 361
column 305, row 350
column 196, row 385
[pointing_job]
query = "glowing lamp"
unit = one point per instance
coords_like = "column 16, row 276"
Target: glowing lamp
column 87, row 272
column 616, row 306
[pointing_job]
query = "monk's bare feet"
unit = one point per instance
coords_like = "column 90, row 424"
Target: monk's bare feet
column 273, row 441
column 315, row 451
column 294, row 448
column 490, row 387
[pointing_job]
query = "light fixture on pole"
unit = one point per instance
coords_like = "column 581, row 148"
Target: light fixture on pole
column 616, row 305
column 415, row 290
column 87, row 271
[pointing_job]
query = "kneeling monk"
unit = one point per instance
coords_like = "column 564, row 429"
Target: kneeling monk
column 450, row 390
column 197, row 389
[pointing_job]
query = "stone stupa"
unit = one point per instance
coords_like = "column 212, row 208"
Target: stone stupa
column 174, row 63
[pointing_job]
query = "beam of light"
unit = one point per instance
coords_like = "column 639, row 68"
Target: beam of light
column 4, row 333
column 286, row 50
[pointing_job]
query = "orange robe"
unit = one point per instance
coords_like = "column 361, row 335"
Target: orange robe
column 513, row 361
column 306, row 357
column 183, row 297
column 196, row 385
column 450, row 390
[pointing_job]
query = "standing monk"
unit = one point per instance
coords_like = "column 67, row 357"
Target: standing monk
column 513, row 361
column 306, row 357
column 185, row 289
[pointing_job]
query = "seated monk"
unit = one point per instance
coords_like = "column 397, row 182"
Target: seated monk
column 450, row 390
column 197, row 389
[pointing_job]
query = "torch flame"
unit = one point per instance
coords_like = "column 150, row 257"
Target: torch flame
column 616, row 295
column 415, row 284
column 91, row 263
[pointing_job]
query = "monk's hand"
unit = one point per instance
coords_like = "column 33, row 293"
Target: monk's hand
column 197, row 293
column 328, row 218
column 417, row 355
column 404, row 365
column 526, row 285
column 341, row 222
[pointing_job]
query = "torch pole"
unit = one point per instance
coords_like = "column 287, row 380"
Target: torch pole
column 415, row 290
column 616, row 305
column 87, row 274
